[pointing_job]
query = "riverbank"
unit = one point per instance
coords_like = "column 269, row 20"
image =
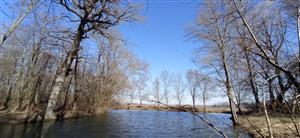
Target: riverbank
column 281, row 125
column 209, row 109
column 13, row 118
column 127, row 123
column 22, row 117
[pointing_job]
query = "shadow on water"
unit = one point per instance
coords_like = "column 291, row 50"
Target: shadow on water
column 126, row 123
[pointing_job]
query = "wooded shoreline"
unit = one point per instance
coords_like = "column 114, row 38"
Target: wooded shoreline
column 20, row 117
column 280, row 122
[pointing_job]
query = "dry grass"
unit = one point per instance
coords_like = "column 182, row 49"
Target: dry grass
column 281, row 125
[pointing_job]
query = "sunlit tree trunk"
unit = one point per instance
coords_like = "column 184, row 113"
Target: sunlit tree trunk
column 63, row 73
column 229, row 88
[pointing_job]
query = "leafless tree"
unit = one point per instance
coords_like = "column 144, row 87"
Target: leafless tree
column 213, row 26
column 142, row 83
column 91, row 18
column 206, row 85
column 179, row 87
column 165, row 78
column 193, row 82
column 156, row 89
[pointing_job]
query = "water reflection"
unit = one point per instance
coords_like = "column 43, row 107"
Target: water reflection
column 126, row 123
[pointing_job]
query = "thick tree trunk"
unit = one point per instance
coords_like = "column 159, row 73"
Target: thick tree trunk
column 76, row 85
column 63, row 73
column 63, row 107
column 229, row 89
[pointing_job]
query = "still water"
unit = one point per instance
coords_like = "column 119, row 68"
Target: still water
column 127, row 124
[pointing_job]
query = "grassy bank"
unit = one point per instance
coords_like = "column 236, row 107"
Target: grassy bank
column 281, row 125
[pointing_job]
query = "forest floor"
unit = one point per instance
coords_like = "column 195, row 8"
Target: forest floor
column 281, row 124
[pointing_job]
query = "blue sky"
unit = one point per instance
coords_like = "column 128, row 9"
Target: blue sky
column 161, row 39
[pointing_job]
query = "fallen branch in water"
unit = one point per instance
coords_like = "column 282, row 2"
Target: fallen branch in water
column 193, row 113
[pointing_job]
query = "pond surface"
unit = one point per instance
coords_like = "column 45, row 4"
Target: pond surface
column 127, row 124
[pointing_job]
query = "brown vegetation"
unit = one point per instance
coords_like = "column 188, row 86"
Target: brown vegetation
column 46, row 68
column 281, row 125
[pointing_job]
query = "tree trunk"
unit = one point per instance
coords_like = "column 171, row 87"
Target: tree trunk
column 9, row 93
column 298, row 31
column 298, row 36
column 204, row 100
column 193, row 103
column 63, row 73
column 193, row 98
column 282, row 91
column 271, row 93
column 267, row 118
column 140, row 97
column 76, row 85
column 251, row 80
column 167, row 100
column 64, row 106
column 33, row 79
column 229, row 89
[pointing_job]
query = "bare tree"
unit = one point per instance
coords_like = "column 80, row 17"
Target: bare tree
column 90, row 18
column 156, row 88
column 206, row 85
column 142, row 83
column 193, row 81
column 263, row 52
column 166, row 81
column 213, row 26
column 179, row 87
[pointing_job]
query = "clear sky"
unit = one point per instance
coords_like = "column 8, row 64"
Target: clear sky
column 160, row 39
